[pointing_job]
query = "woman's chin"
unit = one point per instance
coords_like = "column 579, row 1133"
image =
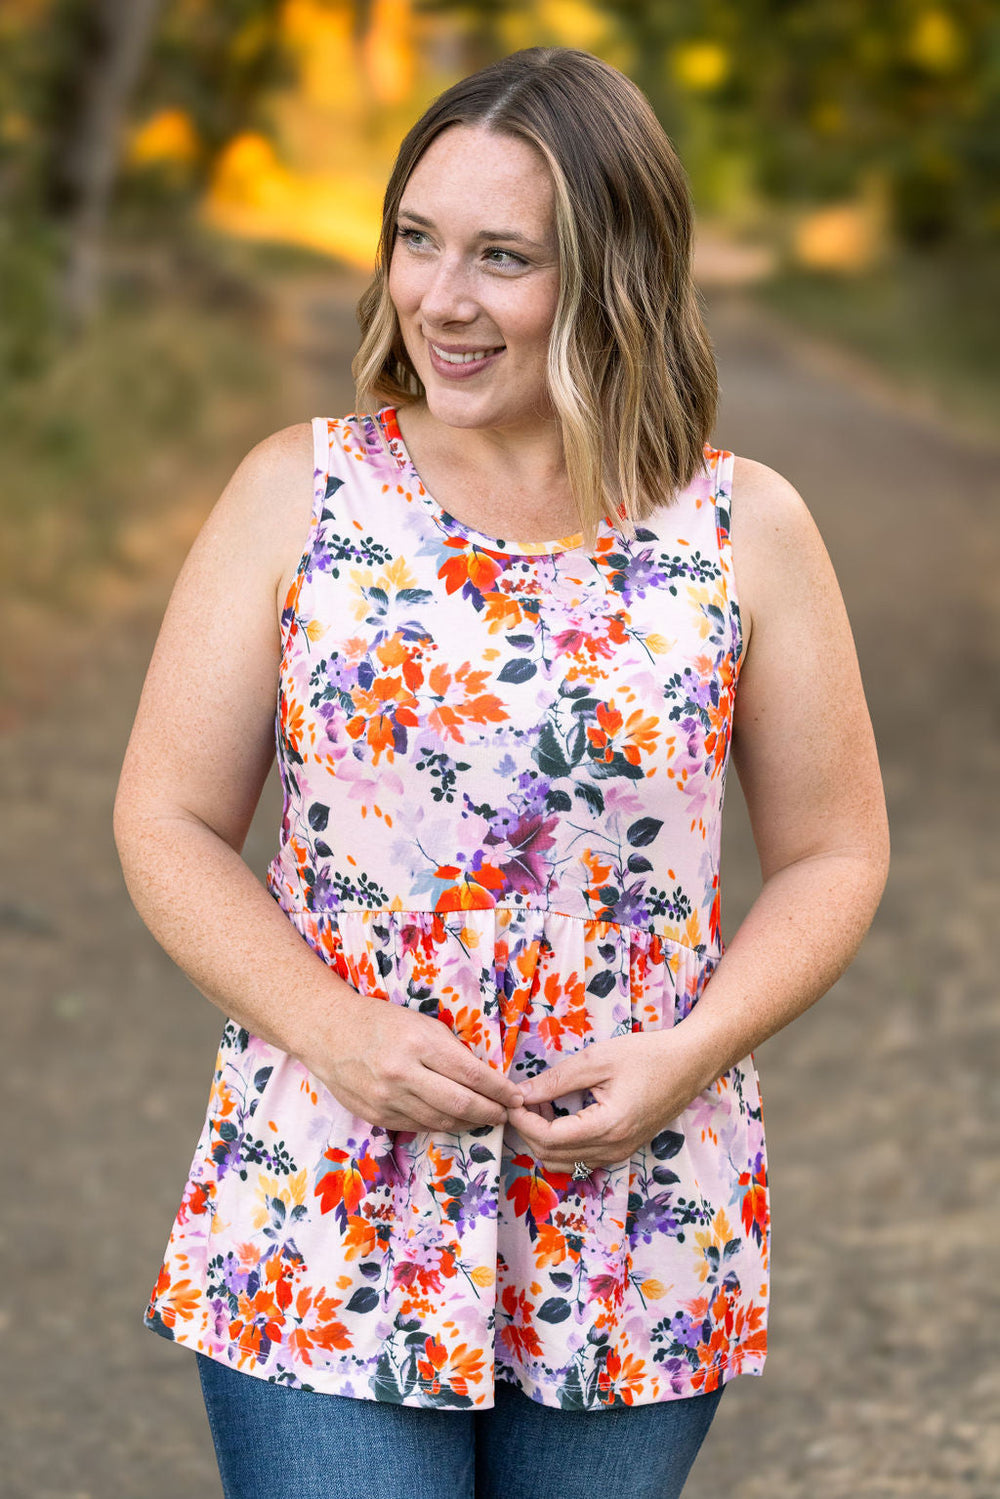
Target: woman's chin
column 461, row 408
column 470, row 409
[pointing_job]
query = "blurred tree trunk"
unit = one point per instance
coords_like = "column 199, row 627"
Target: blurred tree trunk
column 115, row 44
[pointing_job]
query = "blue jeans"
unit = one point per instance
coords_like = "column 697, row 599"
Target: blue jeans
column 273, row 1442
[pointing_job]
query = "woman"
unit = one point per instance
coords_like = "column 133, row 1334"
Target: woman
column 507, row 1232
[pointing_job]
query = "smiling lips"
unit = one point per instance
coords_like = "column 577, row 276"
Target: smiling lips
column 461, row 363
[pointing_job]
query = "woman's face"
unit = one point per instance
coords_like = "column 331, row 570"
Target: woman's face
column 474, row 278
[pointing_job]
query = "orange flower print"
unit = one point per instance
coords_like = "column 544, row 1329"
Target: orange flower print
column 466, row 1023
column 532, row 1188
column 260, row 1318
column 174, row 1300
column 384, row 712
column 319, row 1331
column 469, row 565
column 362, row 1239
column 567, row 1018
column 196, row 1200
column 472, row 890
column 292, row 718
column 631, row 737
column 344, row 1179
column 619, row 1378
column 454, row 1369
column 754, row 1211
column 550, row 1246
column 502, row 612
column 518, row 1334
column 459, row 699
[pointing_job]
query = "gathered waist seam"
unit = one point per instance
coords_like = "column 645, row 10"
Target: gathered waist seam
column 711, row 953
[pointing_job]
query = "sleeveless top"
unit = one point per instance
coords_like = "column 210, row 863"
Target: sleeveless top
column 503, row 768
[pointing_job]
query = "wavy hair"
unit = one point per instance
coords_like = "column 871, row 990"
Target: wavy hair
column 631, row 371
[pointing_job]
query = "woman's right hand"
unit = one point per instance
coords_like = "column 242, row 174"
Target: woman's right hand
column 406, row 1071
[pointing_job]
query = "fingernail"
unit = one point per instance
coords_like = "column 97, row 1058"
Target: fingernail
column 517, row 1100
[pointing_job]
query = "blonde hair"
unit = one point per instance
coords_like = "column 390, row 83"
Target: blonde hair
column 631, row 370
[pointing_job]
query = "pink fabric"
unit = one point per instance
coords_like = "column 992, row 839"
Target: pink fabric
column 503, row 766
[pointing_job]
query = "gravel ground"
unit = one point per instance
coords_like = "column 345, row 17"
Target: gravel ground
column 883, row 1377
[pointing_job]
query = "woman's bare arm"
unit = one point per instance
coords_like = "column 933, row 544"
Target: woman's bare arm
column 202, row 744
column 196, row 762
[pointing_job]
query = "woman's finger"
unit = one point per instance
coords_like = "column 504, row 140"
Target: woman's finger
column 422, row 1100
column 449, row 1100
column 452, row 1059
column 570, row 1134
column 570, row 1074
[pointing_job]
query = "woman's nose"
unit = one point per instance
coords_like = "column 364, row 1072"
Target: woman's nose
column 448, row 295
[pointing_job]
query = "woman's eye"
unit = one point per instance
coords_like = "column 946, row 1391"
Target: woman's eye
column 506, row 259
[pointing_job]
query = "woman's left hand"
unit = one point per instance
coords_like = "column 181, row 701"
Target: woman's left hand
column 639, row 1082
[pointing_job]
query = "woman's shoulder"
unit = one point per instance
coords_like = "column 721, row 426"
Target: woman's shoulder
column 280, row 457
column 258, row 525
column 778, row 553
column 762, row 495
column 769, row 517
column 284, row 453
column 278, row 473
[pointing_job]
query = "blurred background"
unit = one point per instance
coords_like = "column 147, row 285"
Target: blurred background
column 189, row 203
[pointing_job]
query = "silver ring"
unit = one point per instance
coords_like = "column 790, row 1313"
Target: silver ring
column 580, row 1170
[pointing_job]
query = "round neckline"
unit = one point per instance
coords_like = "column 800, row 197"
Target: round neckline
column 503, row 546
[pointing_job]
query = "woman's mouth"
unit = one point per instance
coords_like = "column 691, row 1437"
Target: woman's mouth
column 459, row 364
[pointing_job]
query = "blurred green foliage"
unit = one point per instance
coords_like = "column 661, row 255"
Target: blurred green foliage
column 99, row 437
column 803, row 100
column 219, row 61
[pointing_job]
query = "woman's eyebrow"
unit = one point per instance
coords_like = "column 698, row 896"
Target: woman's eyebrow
column 514, row 236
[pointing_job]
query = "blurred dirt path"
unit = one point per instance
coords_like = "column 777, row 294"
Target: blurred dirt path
column 883, row 1378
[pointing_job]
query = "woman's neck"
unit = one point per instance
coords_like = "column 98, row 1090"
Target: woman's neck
column 502, row 482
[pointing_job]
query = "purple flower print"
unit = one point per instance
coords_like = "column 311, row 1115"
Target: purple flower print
column 477, row 1201
column 533, row 787
column 654, row 1216
column 325, row 896
column 228, row 1276
column 631, row 907
column 520, row 848
column 685, row 1330
column 641, row 575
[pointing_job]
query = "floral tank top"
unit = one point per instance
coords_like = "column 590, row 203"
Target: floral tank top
column 503, row 768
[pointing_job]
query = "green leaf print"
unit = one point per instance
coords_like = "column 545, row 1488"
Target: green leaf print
column 548, row 753
column 592, row 795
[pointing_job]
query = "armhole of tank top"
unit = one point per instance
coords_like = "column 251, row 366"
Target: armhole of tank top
column 321, row 475
column 722, row 489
